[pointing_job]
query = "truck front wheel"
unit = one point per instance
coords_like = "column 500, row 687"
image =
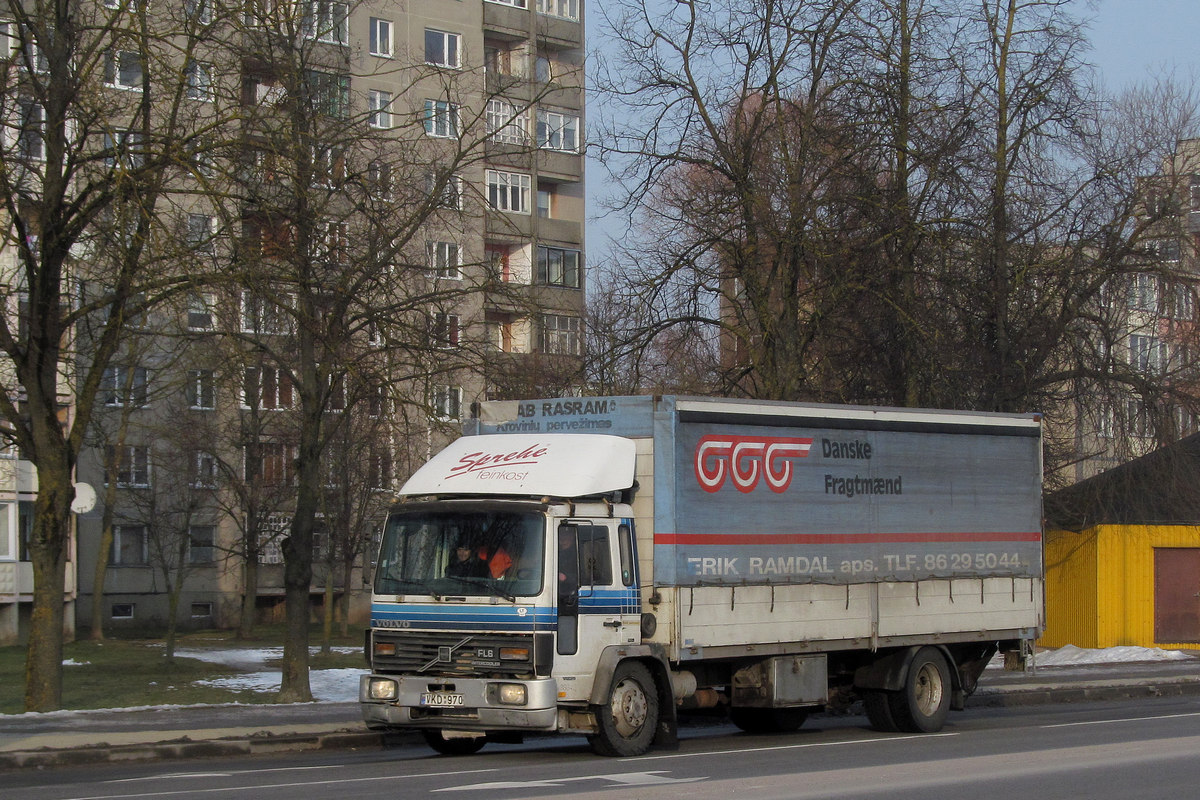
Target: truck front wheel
column 628, row 720
column 922, row 705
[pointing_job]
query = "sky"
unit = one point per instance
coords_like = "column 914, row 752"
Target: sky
column 1132, row 41
column 1136, row 39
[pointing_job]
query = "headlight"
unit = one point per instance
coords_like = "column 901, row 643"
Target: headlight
column 510, row 694
column 382, row 689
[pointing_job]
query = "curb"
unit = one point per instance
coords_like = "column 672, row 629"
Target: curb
column 185, row 748
column 347, row 739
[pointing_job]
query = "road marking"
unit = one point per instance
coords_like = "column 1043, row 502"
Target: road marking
column 229, row 774
column 740, row 751
column 1127, row 719
column 266, row 786
column 657, row 778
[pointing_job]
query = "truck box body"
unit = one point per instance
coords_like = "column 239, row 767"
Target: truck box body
column 817, row 524
column 780, row 556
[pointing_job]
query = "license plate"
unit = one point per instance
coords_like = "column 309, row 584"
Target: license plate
column 441, row 699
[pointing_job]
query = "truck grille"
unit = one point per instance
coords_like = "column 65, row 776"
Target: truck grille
column 438, row 653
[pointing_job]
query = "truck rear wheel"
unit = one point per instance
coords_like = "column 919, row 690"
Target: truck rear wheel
column 454, row 745
column 768, row 720
column 878, row 705
column 922, row 705
column 628, row 720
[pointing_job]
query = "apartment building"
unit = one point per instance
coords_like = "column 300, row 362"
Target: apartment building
column 1146, row 327
column 480, row 104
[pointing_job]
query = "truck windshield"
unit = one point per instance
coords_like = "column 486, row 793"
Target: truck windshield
column 485, row 553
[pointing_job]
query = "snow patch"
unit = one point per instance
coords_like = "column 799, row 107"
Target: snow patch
column 1070, row 655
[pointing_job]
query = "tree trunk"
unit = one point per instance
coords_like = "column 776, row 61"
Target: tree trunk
column 48, row 551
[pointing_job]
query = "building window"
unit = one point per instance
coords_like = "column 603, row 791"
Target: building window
column 262, row 316
column 201, row 540
column 201, row 231
column 329, row 166
column 124, row 148
column 1143, row 293
column 513, row 3
column 1147, row 354
column 331, row 243
column 442, row 48
column 560, row 335
column 379, row 179
column 380, row 37
column 446, row 189
column 379, row 469
column 1164, row 249
column 129, row 546
column 201, row 610
column 380, row 105
column 204, row 470
column 567, row 9
column 266, row 388
column 1182, row 303
column 444, row 260
column 501, row 58
column 33, row 55
column 557, row 131
column 274, row 465
column 199, row 11
column 558, row 267
column 124, row 386
column 508, row 191
column 444, row 331
column 441, row 119
column 505, row 122
column 326, row 22
column 199, row 80
column 542, row 71
column 200, row 312
column 447, row 403
column 123, row 69
column 201, row 389
column 31, row 138
column 329, row 93
column 133, row 465
column 122, row 611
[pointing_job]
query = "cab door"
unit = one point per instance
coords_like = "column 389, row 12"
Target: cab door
column 597, row 599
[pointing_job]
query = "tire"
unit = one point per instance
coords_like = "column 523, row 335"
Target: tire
column 456, row 746
column 768, row 720
column 877, row 704
column 924, row 703
column 627, row 723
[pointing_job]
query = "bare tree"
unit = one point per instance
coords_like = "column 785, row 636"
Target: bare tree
column 77, row 159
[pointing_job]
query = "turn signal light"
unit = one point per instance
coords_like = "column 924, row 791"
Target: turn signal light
column 514, row 653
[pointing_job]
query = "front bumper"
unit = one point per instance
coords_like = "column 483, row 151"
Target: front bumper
column 479, row 711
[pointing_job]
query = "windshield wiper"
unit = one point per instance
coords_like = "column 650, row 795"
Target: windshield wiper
column 484, row 583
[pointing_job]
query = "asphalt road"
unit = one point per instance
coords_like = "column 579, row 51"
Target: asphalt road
column 1099, row 751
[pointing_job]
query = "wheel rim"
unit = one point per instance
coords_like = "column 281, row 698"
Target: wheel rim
column 929, row 689
column 629, row 707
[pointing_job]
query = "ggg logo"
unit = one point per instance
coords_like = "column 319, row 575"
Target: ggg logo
column 746, row 459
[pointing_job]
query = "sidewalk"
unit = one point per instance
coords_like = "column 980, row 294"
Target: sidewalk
column 87, row 737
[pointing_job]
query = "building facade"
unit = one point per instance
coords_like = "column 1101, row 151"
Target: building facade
column 458, row 129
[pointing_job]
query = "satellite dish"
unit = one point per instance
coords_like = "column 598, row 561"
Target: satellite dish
column 85, row 498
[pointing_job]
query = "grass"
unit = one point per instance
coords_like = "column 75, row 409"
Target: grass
column 120, row 673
